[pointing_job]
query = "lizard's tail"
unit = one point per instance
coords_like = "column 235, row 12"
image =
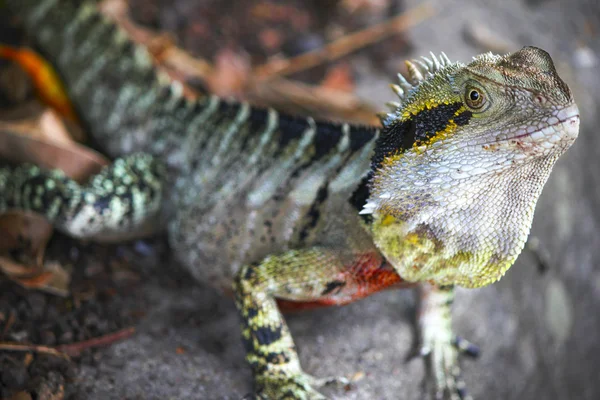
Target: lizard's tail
column 121, row 202
column 117, row 92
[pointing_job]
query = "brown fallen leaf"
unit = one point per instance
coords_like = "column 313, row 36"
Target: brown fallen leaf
column 50, row 277
column 76, row 161
column 20, row 396
column 24, row 231
column 58, row 280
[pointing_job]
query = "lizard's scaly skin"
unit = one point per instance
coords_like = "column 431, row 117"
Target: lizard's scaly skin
column 119, row 203
column 292, row 209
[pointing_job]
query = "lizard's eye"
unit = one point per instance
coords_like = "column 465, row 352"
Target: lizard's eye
column 475, row 98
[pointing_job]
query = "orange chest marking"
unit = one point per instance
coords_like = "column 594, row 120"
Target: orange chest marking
column 368, row 273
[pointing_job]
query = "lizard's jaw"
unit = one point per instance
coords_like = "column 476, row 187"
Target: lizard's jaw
column 563, row 127
column 556, row 132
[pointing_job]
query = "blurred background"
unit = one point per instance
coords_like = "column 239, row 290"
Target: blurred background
column 538, row 328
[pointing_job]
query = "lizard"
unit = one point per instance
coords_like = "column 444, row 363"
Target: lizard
column 275, row 208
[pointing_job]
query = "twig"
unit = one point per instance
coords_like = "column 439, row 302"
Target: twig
column 75, row 349
column 8, row 325
column 294, row 96
column 182, row 66
column 346, row 44
column 8, row 346
column 72, row 349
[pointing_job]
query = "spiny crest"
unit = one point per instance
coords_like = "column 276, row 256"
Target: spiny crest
column 489, row 58
column 419, row 71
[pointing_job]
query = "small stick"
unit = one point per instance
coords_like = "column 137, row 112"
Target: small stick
column 346, row 44
column 75, row 349
column 72, row 349
column 8, row 346
column 9, row 323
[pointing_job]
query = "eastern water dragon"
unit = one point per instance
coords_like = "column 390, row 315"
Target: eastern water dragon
column 275, row 207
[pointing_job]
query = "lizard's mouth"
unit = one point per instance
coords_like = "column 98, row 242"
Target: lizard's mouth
column 563, row 126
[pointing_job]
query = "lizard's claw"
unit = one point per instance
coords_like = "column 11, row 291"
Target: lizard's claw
column 443, row 353
column 465, row 347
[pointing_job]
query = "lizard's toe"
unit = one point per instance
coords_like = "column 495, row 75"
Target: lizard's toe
column 465, row 347
column 338, row 381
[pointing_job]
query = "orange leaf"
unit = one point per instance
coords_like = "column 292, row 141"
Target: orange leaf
column 45, row 80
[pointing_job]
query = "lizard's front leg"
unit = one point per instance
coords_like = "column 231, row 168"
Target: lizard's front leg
column 439, row 344
column 315, row 275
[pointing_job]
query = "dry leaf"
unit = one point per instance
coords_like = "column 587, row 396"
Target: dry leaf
column 51, row 278
column 76, row 161
column 16, row 270
column 28, row 233
column 25, row 231
column 58, row 281
column 20, row 396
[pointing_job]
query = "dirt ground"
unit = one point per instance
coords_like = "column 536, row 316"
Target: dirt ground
column 538, row 331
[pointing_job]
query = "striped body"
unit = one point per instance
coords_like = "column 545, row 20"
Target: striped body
column 241, row 182
column 262, row 183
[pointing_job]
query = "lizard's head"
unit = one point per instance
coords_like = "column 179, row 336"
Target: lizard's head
column 462, row 160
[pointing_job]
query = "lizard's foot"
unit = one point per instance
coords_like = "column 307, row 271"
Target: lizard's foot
column 298, row 387
column 443, row 354
column 441, row 346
